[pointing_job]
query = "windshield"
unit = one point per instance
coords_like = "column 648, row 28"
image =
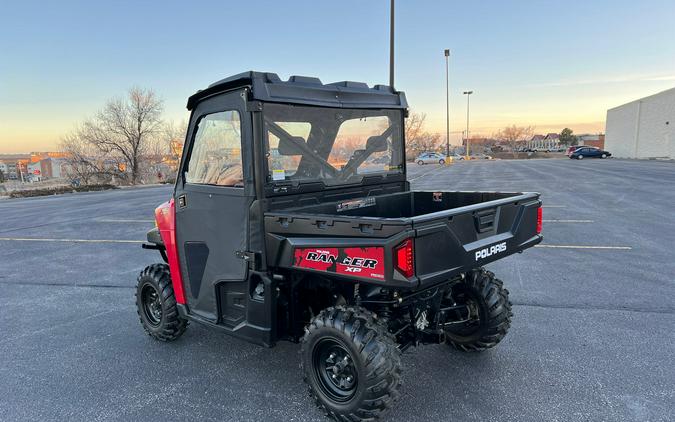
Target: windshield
column 331, row 145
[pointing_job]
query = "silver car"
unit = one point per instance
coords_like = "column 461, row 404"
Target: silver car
column 430, row 158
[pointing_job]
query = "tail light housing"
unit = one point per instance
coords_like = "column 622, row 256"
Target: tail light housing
column 404, row 258
column 540, row 219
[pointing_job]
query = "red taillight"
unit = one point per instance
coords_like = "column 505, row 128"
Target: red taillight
column 404, row 259
column 540, row 219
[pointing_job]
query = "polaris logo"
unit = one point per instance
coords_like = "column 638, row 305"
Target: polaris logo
column 489, row 251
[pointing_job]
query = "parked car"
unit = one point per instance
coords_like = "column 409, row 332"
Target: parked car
column 430, row 158
column 590, row 152
column 573, row 148
column 457, row 157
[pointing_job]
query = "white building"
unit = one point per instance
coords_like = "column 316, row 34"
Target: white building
column 644, row 128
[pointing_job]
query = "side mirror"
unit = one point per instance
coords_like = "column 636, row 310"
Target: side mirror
column 288, row 147
column 376, row 144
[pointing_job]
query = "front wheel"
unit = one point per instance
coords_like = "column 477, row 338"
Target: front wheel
column 156, row 304
column 488, row 315
column 351, row 363
column 580, row 157
column 603, row 156
column 420, row 163
column 441, row 161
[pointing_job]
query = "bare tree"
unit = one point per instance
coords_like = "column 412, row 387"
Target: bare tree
column 172, row 139
column 414, row 126
column 514, row 134
column 125, row 129
column 426, row 142
column 416, row 138
column 84, row 162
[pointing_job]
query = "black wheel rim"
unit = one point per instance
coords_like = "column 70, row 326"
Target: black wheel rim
column 335, row 370
column 152, row 305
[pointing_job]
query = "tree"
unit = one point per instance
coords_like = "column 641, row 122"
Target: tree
column 567, row 137
column 426, row 142
column 514, row 134
column 417, row 140
column 124, row 131
column 414, row 126
column 84, row 162
column 172, row 139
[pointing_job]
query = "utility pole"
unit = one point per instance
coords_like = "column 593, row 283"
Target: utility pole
column 391, row 46
column 468, row 94
column 447, row 103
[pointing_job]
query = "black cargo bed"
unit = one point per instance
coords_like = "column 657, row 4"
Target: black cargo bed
column 448, row 228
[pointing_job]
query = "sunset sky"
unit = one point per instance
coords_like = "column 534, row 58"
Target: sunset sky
column 549, row 64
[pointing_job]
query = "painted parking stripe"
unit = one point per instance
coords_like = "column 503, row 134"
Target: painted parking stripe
column 110, row 220
column 34, row 239
column 554, row 206
column 623, row 248
column 568, row 221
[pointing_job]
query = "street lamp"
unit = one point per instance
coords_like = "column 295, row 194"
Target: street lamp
column 447, row 104
column 467, row 93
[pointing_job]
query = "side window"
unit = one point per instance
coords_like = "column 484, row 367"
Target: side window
column 216, row 151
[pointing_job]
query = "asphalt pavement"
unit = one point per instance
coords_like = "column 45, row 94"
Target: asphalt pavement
column 592, row 339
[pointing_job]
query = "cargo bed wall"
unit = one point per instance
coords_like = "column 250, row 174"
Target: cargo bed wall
column 453, row 231
column 403, row 205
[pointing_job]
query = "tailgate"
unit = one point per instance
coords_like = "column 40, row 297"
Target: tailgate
column 456, row 240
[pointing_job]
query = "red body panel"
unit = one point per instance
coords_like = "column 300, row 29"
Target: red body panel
column 165, row 215
column 360, row 262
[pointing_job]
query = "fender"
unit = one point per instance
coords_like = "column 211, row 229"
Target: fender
column 165, row 216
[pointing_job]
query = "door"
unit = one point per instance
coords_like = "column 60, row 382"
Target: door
column 213, row 196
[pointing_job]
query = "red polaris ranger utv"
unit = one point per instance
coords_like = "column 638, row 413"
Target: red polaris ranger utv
column 292, row 219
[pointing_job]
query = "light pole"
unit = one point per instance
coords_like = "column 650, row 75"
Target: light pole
column 468, row 94
column 447, row 104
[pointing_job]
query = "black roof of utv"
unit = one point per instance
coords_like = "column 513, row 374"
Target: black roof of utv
column 269, row 87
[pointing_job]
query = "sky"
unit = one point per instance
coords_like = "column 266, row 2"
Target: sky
column 547, row 64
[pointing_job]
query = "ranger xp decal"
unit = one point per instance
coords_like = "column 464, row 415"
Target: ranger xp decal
column 490, row 250
column 361, row 262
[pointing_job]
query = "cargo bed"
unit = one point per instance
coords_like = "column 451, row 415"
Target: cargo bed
column 452, row 232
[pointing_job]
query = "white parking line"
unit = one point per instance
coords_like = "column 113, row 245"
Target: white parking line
column 554, row 206
column 109, row 220
column 568, row 221
column 33, row 239
column 623, row 248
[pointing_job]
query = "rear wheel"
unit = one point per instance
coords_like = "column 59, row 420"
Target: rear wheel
column 441, row 161
column 156, row 304
column 351, row 363
column 420, row 163
column 489, row 312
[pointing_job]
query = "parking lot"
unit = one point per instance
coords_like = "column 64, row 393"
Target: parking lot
column 593, row 334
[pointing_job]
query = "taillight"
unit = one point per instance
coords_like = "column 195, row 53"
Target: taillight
column 404, row 260
column 540, row 219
